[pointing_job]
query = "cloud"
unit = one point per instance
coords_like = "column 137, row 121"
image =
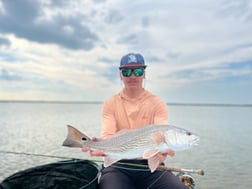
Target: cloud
column 113, row 17
column 4, row 42
column 30, row 22
column 9, row 75
column 237, row 9
column 72, row 49
column 235, row 71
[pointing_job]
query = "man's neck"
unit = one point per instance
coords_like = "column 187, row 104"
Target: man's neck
column 133, row 93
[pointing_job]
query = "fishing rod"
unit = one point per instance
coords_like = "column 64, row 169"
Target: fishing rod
column 196, row 171
column 161, row 167
column 39, row 155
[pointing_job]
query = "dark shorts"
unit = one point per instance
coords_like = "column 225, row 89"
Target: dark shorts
column 125, row 175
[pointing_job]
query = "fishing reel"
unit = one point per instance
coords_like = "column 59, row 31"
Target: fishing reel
column 187, row 179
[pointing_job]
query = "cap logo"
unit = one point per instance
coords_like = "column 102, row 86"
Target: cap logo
column 132, row 58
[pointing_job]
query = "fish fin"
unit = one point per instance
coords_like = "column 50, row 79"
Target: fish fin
column 158, row 138
column 154, row 162
column 75, row 137
column 109, row 161
column 150, row 153
column 153, row 158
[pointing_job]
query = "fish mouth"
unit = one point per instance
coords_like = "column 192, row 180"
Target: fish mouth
column 195, row 141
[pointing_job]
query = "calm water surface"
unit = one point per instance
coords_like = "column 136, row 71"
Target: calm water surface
column 224, row 152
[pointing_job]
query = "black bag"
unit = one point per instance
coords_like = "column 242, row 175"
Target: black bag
column 70, row 174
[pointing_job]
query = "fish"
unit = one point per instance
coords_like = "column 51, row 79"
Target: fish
column 145, row 143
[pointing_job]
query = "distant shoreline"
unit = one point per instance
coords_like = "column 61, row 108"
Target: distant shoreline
column 100, row 102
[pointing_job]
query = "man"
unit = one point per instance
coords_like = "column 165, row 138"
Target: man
column 134, row 107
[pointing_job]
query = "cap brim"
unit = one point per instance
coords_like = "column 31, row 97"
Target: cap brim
column 132, row 66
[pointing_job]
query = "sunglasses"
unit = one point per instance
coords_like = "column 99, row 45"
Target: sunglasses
column 127, row 72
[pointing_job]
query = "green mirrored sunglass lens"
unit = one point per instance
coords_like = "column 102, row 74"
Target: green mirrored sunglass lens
column 126, row 72
column 138, row 71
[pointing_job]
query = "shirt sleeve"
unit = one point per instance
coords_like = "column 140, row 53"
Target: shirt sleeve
column 161, row 112
column 108, row 119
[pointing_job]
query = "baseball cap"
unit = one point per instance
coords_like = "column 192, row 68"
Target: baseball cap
column 132, row 60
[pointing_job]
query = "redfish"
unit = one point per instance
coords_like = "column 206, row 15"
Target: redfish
column 145, row 143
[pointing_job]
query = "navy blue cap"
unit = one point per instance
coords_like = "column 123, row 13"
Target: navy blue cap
column 132, row 60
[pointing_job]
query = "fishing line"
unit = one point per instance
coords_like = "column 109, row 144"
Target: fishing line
column 161, row 167
column 43, row 155
column 131, row 169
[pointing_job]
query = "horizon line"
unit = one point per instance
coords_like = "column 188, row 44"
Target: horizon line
column 101, row 102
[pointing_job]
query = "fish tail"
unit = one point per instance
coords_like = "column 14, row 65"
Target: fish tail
column 75, row 138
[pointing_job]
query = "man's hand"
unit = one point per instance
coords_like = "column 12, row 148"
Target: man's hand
column 170, row 152
column 162, row 156
column 93, row 152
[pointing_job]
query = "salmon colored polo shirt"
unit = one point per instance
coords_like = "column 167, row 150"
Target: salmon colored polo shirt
column 121, row 112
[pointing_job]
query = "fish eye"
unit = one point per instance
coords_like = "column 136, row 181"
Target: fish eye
column 84, row 138
column 188, row 133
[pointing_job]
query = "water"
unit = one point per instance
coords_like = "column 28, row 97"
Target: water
column 224, row 152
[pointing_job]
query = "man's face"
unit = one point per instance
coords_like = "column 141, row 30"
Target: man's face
column 132, row 77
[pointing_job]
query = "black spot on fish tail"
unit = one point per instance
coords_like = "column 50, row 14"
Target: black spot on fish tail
column 84, row 139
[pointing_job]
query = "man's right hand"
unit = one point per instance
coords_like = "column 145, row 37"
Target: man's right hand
column 93, row 152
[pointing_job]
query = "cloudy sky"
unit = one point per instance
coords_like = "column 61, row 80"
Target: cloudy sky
column 197, row 51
